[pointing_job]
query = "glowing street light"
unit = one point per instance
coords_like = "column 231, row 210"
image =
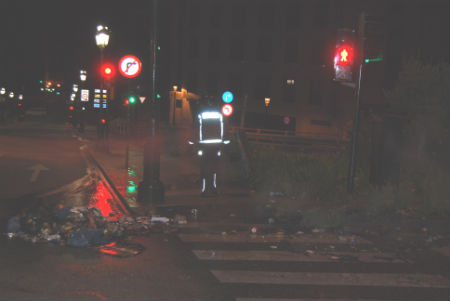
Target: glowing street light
column 267, row 101
column 2, row 91
column 102, row 36
column 11, row 94
column 83, row 75
column 20, row 97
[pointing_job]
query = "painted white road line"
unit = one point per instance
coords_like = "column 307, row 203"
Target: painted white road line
column 245, row 237
column 325, row 279
column 36, row 171
column 259, row 255
column 302, row 299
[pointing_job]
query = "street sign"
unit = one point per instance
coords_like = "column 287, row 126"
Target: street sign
column 84, row 95
column 130, row 66
column 227, row 97
column 286, row 120
column 100, row 99
column 227, row 109
column 142, row 98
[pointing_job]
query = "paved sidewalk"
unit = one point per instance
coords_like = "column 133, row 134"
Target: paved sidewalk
column 181, row 179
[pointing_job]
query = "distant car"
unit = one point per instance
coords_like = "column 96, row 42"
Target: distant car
column 36, row 112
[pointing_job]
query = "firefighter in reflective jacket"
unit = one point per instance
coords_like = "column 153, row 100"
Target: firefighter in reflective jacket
column 209, row 151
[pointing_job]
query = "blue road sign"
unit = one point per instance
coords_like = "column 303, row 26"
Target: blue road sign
column 227, row 97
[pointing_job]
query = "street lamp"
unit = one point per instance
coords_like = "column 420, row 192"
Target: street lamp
column 267, row 101
column 102, row 37
column 83, row 75
column 102, row 40
column 2, row 91
column 11, row 94
column 20, row 96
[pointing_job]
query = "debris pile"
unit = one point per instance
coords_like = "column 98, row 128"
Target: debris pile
column 79, row 226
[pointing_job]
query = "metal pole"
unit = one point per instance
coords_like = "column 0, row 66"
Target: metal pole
column 351, row 172
column 352, row 164
column 151, row 188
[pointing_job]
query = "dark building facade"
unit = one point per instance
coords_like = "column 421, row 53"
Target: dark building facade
column 283, row 50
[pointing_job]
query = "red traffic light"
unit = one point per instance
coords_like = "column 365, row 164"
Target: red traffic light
column 126, row 102
column 71, row 108
column 344, row 55
column 103, row 121
column 108, row 71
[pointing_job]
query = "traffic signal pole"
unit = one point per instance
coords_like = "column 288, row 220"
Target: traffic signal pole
column 151, row 189
column 352, row 163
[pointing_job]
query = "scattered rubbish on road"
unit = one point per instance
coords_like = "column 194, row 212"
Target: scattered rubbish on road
column 194, row 214
column 83, row 227
column 180, row 219
column 309, row 252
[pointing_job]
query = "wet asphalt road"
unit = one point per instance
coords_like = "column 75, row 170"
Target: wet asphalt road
column 201, row 262
column 166, row 270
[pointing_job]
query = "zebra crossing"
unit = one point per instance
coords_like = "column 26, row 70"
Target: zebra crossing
column 313, row 267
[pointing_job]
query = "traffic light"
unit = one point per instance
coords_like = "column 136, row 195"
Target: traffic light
column 103, row 121
column 344, row 55
column 71, row 108
column 108, row 71
column 132, row 99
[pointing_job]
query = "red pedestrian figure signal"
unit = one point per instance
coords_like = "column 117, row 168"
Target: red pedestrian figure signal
column 344, row 55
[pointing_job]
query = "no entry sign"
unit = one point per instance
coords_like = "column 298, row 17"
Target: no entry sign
column 130, row 66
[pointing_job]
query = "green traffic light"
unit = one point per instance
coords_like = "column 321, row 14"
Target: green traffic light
column 159, row 47
column 132, row 99
column 158, row 96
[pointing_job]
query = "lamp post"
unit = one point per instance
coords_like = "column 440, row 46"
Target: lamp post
column 151, row 189
column 102, row 40
column 83, row 75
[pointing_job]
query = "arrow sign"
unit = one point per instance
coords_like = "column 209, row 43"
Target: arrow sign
column 36, row 171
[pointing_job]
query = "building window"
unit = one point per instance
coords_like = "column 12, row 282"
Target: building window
column 291, row 51
column 238, row 16
column 293, row 15
column 213, row 48
column 288, row 93
column 192, row 82
column 216, row 15
column 320, row 13
column 237, row 49
column 267, row 15
column 212, row 84
column 315, row 93
column 193, row 48
column 318, row 52
column 194, row 16
column 235, row 83
column 262, row 88
column 264, row 50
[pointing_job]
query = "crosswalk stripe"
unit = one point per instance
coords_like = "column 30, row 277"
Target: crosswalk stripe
column 308, row 299
column 248, row 238
column 257, row 255
column 327, row 279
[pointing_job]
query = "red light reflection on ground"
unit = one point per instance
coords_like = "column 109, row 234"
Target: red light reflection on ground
column 102, row 200
column 111, row 252
column 98, row 295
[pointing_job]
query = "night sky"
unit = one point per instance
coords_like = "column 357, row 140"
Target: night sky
column 61, row 35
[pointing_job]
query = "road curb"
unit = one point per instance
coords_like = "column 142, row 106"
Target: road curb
column 117, row 197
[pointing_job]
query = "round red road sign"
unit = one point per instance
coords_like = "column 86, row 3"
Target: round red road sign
column 130, row 66
column 227, row 109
